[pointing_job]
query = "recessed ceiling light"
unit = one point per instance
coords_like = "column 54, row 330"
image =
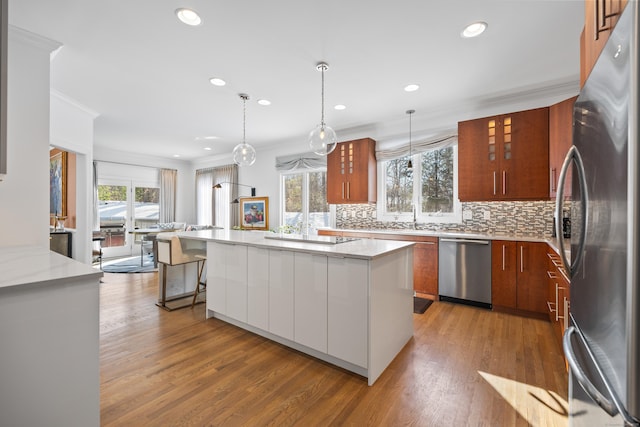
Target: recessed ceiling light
column 264, row 102
column 176, row 155
column 207, row 148
column 188, row 16
column 474, row 30
column 217, row 81
column 411, row 88
column 340, row 107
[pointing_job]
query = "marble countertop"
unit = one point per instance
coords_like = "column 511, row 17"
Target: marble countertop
column 32, row 265
column 359, row 248
column 553, row 242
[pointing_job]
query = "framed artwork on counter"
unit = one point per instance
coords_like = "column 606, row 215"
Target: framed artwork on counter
column 254, row 213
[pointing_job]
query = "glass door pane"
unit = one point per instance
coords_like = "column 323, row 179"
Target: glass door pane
column 113, row 213
column 146, row 207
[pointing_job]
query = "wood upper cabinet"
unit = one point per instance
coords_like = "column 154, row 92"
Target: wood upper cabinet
column 560, row 140
column 601, row 16
column 352, row 172
column 504, row 157
column 519, row 276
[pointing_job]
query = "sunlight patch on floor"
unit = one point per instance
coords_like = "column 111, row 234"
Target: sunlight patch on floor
column 540, row 407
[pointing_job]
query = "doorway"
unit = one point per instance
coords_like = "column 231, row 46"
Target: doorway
column 123, row 206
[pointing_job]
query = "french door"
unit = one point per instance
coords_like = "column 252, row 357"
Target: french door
column 124, row 205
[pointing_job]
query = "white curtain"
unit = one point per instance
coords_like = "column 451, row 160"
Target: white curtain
column 308, row 160
column 96, row 214
column 168, row 195
column 213, row 206
column 434, row 142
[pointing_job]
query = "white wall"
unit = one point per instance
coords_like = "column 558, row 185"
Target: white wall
column 72, row 130
column 24, row 193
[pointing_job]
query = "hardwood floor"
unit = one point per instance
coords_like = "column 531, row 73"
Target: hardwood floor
column 464, row 366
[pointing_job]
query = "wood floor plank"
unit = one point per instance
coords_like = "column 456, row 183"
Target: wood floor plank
column 463, row 366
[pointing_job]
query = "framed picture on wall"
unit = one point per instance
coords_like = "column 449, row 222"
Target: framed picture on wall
column 254, row 213
column 58, row 184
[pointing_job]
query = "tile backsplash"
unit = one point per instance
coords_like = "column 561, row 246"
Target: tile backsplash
column 534, row 219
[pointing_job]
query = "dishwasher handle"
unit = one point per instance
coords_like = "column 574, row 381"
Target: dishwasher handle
column 477, row 242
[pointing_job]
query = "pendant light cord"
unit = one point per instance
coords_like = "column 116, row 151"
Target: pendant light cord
column 322, row 95
column 244, row 120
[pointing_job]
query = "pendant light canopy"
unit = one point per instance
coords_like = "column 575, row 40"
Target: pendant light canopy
column 244, row 154
column 410, row 163
column 322, row 139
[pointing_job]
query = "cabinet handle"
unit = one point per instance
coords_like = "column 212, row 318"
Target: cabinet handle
column 521, row 259
column 552, row 179
column 494, row 183
column 504, row 249
column 566, row 313
column 343, row 191
column 552, row 275
column 504, row 182
column 348, row 189
column 556, row 301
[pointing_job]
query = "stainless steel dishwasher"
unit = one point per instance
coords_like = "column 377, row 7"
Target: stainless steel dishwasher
column 464, row 271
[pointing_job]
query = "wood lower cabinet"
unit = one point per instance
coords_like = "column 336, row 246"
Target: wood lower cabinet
column 558, row 296
column 518, row 277
column 425, row 257
column 504, row 157
column 352, row 172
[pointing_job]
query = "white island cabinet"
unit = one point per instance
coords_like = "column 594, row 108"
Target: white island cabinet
column 350, row 304
column 49, row 330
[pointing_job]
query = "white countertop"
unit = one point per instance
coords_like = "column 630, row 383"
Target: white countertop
column 24, row 265
column 360, row 248
column 551, row 241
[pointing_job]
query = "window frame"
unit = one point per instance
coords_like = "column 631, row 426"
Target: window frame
column 454, row 217
column 305, row 196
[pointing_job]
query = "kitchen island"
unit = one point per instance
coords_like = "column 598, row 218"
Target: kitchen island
column 49, row 307
column 348, row 303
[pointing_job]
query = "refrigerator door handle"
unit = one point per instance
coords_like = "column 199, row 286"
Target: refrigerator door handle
column 573, row 155
column 611, row 406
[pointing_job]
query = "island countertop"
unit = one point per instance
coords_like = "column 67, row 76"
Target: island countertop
column 358, row 248
column 31, row 265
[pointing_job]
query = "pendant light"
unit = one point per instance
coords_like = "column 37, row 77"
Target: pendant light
column 322, row 139
column 410, row 163
column 244, row 154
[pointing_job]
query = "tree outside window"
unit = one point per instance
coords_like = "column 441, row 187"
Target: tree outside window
column 304, row 199
column 430, row 185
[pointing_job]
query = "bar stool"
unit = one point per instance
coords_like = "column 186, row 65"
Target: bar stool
column 171, row 252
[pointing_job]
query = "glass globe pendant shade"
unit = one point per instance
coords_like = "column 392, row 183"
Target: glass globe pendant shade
column 322, row 140
column 244, row 155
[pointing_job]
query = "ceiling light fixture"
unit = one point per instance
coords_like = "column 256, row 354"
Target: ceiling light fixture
column 217, row 81
column 322, row 139
column 264, row 102
column 474, row 29
column 188, row 16
column 244, row 154
column 411, row 88
column 409, row 163
column 340, row 107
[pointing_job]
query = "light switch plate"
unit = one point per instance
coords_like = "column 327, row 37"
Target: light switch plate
column 467, row 214
column 487, row 214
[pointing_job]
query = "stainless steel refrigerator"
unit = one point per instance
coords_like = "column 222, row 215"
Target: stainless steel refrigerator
column 602, row 341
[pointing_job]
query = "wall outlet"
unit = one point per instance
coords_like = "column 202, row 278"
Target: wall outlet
column 487, row 215
column 467, row 214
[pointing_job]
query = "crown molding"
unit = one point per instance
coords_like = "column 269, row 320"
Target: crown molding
column 27, row 37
